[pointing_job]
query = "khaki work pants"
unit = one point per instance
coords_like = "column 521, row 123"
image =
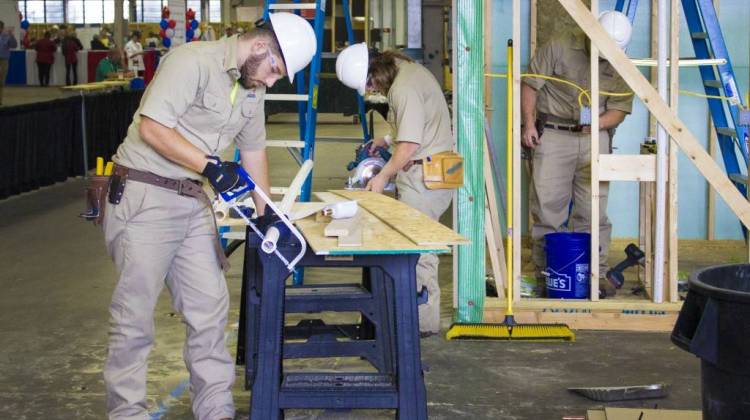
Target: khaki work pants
column 3, row 75
column 157, row 237
column 433, row 203
column 561, row 172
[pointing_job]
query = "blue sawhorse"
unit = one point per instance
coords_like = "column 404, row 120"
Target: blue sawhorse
column 389, row 304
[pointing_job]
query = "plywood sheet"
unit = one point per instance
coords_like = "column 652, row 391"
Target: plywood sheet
column 410, row 222
column 377, row 237
column 596, row 415
column 635, row 413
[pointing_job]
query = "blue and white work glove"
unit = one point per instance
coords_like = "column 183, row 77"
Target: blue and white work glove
column 223, row 176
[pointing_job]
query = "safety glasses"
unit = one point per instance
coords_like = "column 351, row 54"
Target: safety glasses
column 274, row 66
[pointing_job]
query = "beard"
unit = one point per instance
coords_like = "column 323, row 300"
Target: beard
column 249, row 72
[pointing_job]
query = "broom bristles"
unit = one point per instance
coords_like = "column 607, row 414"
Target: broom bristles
column 520, row 332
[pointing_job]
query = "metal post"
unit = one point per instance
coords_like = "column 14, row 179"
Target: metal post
column 119, row 22
column 83, row 137
column 662, row 150
column 414, row 24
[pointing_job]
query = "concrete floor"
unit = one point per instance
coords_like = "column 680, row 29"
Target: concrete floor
column 56, row 283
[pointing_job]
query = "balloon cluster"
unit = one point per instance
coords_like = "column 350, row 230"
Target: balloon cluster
column 192, row 29
column 24, row 29
column 167, row 28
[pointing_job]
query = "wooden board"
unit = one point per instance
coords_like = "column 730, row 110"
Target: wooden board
column 635, row 413
column 354, row 238
column 596, row 415
column 410, row 222
column 627, row 167
column 377, row 237
column 666, row 117
column 107, row 84
column 342, row 227
column 299, row 211
column 613, row 315
column 595, row 210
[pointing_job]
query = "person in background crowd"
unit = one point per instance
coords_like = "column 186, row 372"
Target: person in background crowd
column 27, row 42
column 152, row 41
column 134, row 52
column 45, row 57
column 7, row 43
column 208, row 33
column 70, row 47
column 96, row 43
column 111, row 64
column 59, row 36
column 228, row 32
column 105, row 39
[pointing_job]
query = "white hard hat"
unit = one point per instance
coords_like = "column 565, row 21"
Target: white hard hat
column 351, row 67
column 296, row 39
column 617, row 26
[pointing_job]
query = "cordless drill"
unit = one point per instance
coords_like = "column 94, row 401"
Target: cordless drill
column 634, row 256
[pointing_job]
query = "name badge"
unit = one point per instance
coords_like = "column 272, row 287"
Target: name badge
column 251, row 96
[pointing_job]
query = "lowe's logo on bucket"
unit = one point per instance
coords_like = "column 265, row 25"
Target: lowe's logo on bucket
column 558, row 281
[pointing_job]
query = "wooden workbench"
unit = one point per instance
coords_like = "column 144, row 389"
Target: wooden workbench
column 97, row 86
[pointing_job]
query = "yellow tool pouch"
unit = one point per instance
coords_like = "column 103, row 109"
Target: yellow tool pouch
column 444, row 170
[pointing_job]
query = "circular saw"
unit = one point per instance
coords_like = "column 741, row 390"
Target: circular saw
column 365, row 167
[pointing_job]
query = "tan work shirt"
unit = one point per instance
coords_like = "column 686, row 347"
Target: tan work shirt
column 568, row 58
column 418, row 112
column 191, row 92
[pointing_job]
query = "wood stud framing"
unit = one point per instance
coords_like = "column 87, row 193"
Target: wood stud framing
column 613, row 313
column 595, row 210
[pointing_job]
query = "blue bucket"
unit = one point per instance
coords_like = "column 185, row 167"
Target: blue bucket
column 568, row 258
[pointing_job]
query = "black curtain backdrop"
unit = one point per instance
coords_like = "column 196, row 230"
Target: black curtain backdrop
column 40, row 144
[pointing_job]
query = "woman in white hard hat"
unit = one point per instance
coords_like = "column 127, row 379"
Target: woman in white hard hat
column 421, row 126
column 560, row 141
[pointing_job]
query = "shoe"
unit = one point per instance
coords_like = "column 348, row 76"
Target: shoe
column 428, row 334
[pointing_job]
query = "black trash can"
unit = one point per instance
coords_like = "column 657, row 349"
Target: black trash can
column 714, row 324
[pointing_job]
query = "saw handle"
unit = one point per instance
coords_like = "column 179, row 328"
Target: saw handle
column 233, row 197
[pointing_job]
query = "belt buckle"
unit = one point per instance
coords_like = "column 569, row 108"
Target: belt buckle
column 180, row 187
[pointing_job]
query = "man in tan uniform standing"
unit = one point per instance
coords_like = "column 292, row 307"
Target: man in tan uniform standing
column 561, row 156
column 158, row 224
column 421, row 126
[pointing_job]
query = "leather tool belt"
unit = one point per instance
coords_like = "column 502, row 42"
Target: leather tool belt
column 187, row 187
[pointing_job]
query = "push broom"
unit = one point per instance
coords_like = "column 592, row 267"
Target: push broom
column 509, row 329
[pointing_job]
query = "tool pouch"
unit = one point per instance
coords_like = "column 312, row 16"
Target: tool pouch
column 443, row 170
column 95, row 196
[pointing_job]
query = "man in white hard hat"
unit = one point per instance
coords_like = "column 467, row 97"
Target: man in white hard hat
column 421, row 126
column 561, row 158
column 158, row 223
